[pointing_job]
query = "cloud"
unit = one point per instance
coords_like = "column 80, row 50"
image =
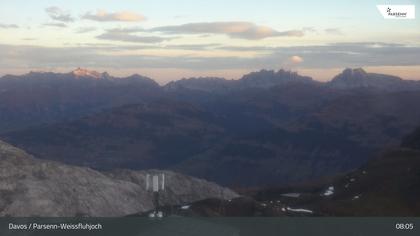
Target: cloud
column 8, row 26
column 126, row 30
column 338, row 55
column 116, row 16
column 334, row 31
column 247, row 48
column 82, row 30
column 59, row 15
column 60, row 25
column 244, row 30
column 359, row 54
column 193, row 47
column 295, row 59
column 309, row 29
column 126, row 37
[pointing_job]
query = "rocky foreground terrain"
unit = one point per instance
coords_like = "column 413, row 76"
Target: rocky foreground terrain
column 32, row 187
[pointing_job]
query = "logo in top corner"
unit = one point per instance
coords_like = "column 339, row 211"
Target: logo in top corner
column 397, row 11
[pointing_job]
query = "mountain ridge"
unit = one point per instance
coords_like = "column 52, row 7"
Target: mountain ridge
column 348, row 79
column 134, row 123
column 33, row 187
column 359, row 78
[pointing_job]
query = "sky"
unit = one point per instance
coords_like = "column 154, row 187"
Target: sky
column 169, row 40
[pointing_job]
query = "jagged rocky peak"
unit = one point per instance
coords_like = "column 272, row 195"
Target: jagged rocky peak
column 357, row 73
column 351, row 78
column 269, row 78
column 359, row 78
column 258, row 79
column 271, row 75
column 200, row 83
column 351, row 74
column 85, row 73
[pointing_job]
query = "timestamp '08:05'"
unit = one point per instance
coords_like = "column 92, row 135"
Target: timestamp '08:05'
column 404, row 226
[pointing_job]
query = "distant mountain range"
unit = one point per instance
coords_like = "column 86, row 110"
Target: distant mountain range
column 348, row 79
column 44, row 97
column 260, row 79
column 268, row 128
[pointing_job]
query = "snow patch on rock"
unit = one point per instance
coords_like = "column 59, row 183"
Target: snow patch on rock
column 329, row 191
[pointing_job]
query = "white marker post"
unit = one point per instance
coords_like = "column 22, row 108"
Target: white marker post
column 155, row 183
column 163, row 182
column 147, row 182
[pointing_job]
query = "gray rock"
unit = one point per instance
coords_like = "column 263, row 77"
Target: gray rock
column 32, row 187
column 359, row 78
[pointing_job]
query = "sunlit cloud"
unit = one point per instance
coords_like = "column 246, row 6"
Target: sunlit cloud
column 102, row 15
column 58, row 14
column 243, row 30
column 296, row 59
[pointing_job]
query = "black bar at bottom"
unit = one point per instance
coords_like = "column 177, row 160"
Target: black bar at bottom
column 185, row 226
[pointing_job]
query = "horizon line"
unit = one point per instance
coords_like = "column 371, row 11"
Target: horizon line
column 200, row 77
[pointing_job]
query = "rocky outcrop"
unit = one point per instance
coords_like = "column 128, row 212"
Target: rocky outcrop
column 359, row 78
column 32, row 187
